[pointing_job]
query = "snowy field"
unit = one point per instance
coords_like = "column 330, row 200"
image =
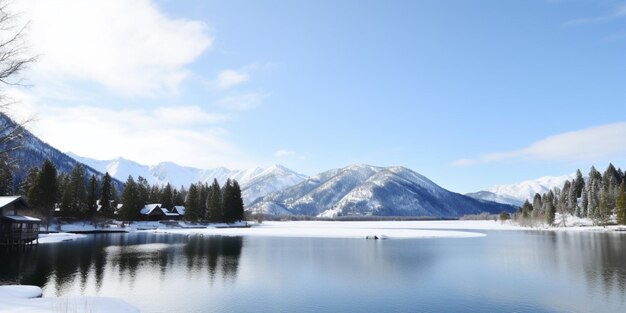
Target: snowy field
column 322, row 229
column 27, row 299
column 336, row 229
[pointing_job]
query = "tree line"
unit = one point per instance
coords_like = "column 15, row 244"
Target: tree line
column 202, row 202
column 600, row 197
column 78, row 195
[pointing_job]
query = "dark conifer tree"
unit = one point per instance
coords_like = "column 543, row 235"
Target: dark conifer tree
column 537, row 205
column 44, row 192
column 6, row 179
column 214, row 203
column 92, row 196
column 29, row 181
column 620, row 204
column 192, row 211
column 106, row 196
column 527, row 209
column 143, row 189
column 130, row 201
column 77, row 191
column 178, row 198
column 238, row 209
column 167, row 197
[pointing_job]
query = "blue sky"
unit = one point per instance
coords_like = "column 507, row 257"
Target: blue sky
column 467, row 93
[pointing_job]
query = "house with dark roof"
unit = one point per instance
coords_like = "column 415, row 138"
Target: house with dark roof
column 15, row 229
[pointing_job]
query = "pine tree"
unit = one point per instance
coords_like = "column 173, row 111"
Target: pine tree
column 6, row 179
column 143, row 189
column 44, row 191
column 602, row 215
column 202, row 201
column 620, row 204
column 178, row 198
column 77, row 190
column 549, row 207
column 579, row 184
column 214, row 203
column 227, row 201
column 167, row 197
column 238, row 209
column 527, row 209
column 130, row 201
column 106, row 195
column 572, row 199
column 584, row 203
column 537, row 205
column 192, row 211
column 28, row 181
column 92, row 197
column 155, row 194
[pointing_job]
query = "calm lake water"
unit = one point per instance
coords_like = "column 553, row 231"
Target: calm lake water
column 506, row 271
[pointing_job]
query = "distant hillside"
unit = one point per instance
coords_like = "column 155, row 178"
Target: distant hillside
column 369, row 190
column 517, row 193
column 255, row 182
column 35, row 151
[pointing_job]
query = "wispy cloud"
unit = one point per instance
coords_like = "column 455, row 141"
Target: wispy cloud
column 242, row 102
column 185, row 134
column 582, row 145
column 230, row 78
column 128, row 46
column 618, row 12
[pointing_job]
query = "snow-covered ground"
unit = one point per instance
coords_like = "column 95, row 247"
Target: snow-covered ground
column 58, row 237
column 335, row 229
column 331, row 230
column 26, row 299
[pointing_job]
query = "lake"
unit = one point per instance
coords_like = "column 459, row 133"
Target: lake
column 506, row 271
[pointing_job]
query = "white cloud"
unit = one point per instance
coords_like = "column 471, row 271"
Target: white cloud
column 588, row 144
column 242, row 102
column 128, row 46
column 284, row 153
column 185, row 134
column 230, row 78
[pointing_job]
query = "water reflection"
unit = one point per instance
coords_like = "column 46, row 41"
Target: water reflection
column 86, row 264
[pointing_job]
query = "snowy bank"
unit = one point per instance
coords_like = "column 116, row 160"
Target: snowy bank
column 26, row 299
column 58, row 237
column 319, row 229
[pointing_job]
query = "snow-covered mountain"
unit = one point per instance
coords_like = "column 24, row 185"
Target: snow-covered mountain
column 490, row 196
column 255, row 182
column 371, row 190
column 516, row 194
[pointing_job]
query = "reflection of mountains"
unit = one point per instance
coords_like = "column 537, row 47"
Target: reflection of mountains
column 77, row 265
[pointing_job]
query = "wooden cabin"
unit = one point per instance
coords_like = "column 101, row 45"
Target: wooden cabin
column 15, row 229
column 152, row 212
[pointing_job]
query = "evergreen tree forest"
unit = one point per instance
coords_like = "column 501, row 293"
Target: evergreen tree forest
column 600, row 197
column 82, row 196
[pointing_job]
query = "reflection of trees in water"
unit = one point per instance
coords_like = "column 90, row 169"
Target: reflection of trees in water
column 599, row 257
column 218, row 254
column 107, row 256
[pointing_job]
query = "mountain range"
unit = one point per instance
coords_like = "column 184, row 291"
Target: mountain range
column 352, row 190
column 516, row 194
column 255, row 182
column 365, row 190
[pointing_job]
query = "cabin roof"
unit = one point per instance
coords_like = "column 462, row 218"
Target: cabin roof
column 180, row 209
column 22, row 219
column 8, row 200
column 149, row 208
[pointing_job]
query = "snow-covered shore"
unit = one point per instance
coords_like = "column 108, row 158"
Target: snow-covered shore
column 16, row 298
